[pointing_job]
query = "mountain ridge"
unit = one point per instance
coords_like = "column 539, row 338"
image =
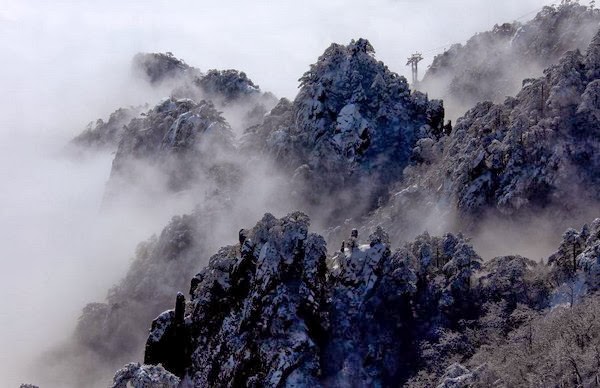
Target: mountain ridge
column 357, row 148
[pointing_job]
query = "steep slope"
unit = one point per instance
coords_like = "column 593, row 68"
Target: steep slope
column 256, row 311
column 351, row 127
column 535, row 151
column 491, row 65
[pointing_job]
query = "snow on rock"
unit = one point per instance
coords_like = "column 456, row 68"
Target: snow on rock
column 370, row 314
column 256, row 312
column 268, row 312
column 144, row 376
column 384, row 302
column 274, row 310
column 353, row 124
column 456, row 376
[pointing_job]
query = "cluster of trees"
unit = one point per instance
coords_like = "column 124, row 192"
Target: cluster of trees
column 537, row 324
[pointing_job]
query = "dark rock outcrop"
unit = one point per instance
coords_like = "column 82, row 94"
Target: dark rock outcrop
column 255, row 316
column 351, row 127
column 274, row 311
column 144, row 376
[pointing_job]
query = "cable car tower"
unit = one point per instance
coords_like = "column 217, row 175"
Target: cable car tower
column 413, row 61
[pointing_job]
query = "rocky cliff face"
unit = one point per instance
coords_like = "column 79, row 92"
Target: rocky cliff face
column 137, row 375
column 255, row 316
column 276, row 310
column 351, row 127
column 491, row 65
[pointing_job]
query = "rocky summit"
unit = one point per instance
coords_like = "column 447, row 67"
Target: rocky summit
column 353, row 124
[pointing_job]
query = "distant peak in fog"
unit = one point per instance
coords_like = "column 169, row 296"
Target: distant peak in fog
column 491, row 65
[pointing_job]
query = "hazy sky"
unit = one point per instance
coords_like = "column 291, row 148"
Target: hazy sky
column 50, row 47
column 65, row 63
